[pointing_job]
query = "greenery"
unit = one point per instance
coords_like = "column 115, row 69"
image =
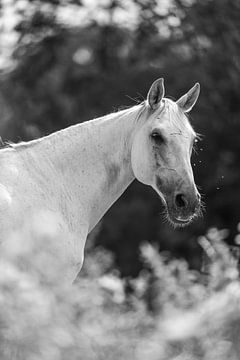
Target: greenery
column 60, row 72
column 64, row 62
column 171, row 312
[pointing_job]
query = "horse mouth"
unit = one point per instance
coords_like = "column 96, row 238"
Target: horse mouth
column 182, row 221
column 176, row 217
column 178, row 221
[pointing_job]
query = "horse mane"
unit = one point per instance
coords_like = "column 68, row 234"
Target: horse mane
column 8, row 144
column 20, row 145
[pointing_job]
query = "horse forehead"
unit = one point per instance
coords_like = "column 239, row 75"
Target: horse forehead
column 173, row 119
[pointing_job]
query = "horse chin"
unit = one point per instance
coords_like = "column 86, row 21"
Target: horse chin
column 179, row 222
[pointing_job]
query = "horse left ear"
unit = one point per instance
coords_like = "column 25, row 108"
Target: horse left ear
column 156, row 93
column 187, row 101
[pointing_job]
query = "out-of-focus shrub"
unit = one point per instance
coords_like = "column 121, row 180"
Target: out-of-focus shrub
column 171, row 313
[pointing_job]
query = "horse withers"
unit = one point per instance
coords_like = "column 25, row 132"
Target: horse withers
column 59, row 187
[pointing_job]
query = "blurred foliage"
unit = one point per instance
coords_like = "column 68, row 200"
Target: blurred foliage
column 65, row 74
column 171, row 313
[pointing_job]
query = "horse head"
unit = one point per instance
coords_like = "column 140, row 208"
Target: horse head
column 161, row 152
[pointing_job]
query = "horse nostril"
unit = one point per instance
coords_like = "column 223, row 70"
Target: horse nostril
column 180, row 201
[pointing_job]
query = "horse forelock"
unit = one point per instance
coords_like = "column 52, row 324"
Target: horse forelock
column 169, row 108
column 177, row 117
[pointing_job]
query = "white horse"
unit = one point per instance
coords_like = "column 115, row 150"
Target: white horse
column 72, row 177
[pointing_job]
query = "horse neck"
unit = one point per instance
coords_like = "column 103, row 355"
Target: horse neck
column 93, row 160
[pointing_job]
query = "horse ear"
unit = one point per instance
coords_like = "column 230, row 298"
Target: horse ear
column 187, row 101
column 156, row 93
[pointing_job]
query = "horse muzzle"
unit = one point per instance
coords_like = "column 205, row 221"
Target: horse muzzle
column 182, row 208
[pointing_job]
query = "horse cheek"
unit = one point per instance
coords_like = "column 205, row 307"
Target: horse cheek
column 141, row 162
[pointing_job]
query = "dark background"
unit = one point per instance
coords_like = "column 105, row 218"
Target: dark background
column 60, row 74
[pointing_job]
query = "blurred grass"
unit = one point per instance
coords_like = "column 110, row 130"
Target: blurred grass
column 170, row 313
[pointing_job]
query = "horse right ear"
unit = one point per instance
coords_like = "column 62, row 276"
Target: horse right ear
column 156, row 94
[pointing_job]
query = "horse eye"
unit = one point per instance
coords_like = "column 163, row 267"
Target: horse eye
column 157, row 137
